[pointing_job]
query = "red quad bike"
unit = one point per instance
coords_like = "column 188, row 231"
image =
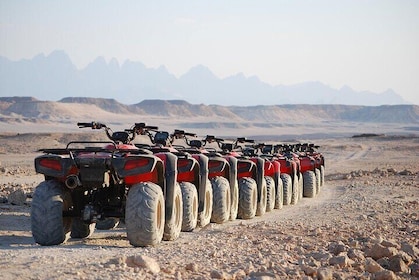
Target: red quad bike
column 314, row 162
column 275, row 199
column 250, row 175
column 192, row 178
column 222, row 174
column 291, row 176
column 89, row 181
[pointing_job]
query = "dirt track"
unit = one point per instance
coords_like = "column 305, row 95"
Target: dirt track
column 364, row 224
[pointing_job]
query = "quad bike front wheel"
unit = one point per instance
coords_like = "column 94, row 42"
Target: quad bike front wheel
column 190, row 206
column 234, row 189
column 309, row 188
column 48, row 225
column 279, row 197
column 204, row 217
column 300, row 186
column 145, row 214
column 271, row 194
column 261, row 206
column 248, row 198
column 318, row 180
column 173, row 224
column 295, row 193
column 287, row 188
column 221, row 208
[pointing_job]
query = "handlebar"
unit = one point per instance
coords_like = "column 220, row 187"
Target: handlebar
column 93, row 125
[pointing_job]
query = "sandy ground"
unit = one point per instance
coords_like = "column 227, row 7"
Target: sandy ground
column 364, row 224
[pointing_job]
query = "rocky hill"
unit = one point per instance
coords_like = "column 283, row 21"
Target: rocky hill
column 74, row 107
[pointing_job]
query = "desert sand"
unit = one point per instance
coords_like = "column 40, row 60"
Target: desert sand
column 364, row 224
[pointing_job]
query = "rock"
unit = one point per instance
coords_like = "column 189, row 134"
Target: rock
column 324, row 274
column 3, row 199
column 337, row 248
column 261, row 276
column 356, row 255
column 414, row 267
column 18, row 197
column 388, row 243
column 341, row 261
column 410, row 249
column 308, row 270
column 143, row 262
column 191, row 267
column 385, row 275
column 372, row 266
column 378, row 251
column 397, row 264
column 215, row 274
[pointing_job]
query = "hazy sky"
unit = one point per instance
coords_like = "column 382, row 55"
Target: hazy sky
column 367, row 45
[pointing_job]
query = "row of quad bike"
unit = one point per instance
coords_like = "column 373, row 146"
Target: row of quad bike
column 175, row 183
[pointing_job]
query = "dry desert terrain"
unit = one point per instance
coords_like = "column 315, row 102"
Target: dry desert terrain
column 364, row 224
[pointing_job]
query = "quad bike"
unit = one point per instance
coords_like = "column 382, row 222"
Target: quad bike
column 197, row 192
column 290, row 174
column 312, row 166
column 222, row 174
column 250, row 176
column 274, row 181
column 89, row 181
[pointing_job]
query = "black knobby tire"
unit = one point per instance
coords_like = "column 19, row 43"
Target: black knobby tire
column 279, row 198
column 317, row 172
column 204, row 217
column 145, row 214
column 173, row 225
column 234, row 200
column 107, row 223
column 221, row 208
column 287, row 188
column 309, row 184
column 261, row 206
column 271, row 194
column 295, row 191
column 48, row 225
column 300, row 186
column 322, row 175
column 81, row 230
column 190, row 206
column 248, row 195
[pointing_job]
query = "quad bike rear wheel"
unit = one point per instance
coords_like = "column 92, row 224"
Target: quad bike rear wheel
column 271, row 193
column 204, row 217
column 81, row 230
column 234, row 200
column 48, row 225
column 107, row 223
column 173, row 225
column 309, row 188
column 145, row 214
column 287, row 188
column 190, row 206
column 221, row 209
column 248, row 195
column 279, row 197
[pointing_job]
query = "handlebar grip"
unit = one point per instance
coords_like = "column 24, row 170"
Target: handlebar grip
column 82, row 124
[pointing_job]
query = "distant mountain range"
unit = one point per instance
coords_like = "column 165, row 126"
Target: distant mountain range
column 54, row 77
column 73, row 109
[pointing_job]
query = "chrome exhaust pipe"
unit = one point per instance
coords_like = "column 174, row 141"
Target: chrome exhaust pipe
column 72, row 182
